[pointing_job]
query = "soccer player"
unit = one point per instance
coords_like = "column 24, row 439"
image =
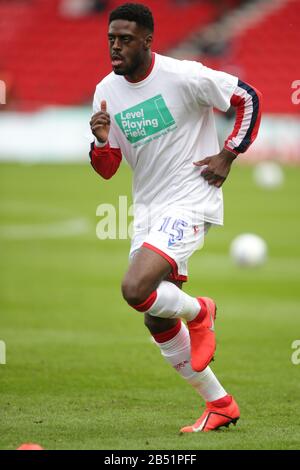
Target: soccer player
column 157, row 112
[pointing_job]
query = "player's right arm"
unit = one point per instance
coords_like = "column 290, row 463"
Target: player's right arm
column 104, row 159
column 100, row 124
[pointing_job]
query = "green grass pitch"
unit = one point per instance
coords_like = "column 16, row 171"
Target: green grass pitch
column 81, row 372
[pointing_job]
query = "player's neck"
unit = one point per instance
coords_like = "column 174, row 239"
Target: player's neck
column 143, row 71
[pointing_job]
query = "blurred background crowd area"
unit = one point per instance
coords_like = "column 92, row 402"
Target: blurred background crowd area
column 54, row 52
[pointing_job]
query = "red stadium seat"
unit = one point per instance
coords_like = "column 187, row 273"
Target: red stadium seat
column 57, row 60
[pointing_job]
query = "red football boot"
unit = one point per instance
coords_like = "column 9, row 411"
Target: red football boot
column 202, row 334
column 214, row 417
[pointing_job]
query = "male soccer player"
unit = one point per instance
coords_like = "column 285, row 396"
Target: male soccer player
column 158, row 112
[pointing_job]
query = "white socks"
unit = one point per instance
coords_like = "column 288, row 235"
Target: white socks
column 168, row 301
column 172, row 302
column 177, row 352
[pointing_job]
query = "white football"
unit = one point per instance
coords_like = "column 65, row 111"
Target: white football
column 248, row 250
column 268, row 175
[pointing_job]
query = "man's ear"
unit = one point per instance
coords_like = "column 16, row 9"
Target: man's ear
column 148, row 41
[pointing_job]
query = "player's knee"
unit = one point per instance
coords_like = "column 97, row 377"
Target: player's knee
column 133, row 292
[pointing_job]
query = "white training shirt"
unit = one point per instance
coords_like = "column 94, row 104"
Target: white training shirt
column 162, row 125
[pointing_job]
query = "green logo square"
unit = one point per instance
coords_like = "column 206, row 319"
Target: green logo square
column 146, row 119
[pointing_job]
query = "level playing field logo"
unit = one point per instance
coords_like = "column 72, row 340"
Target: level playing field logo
column 146, row 121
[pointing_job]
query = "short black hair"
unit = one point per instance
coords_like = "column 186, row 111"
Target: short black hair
column 137, row 12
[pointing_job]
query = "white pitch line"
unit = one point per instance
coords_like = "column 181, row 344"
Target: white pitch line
column 66, row 228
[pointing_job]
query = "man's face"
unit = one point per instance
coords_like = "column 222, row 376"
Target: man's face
column 128, row 44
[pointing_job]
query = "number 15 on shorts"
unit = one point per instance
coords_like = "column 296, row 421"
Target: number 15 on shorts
column 173, row 228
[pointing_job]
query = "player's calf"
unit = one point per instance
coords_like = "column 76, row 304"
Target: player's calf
column 158, row 325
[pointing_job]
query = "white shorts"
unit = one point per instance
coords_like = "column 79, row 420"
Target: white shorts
column 175, row 236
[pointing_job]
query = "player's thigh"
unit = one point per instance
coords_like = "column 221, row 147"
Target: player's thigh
column 146, row 270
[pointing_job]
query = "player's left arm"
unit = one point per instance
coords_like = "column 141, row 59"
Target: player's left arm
column 247, row 101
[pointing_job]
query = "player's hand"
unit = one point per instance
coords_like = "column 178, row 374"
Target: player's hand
column 100, row 123
column 218, row 167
